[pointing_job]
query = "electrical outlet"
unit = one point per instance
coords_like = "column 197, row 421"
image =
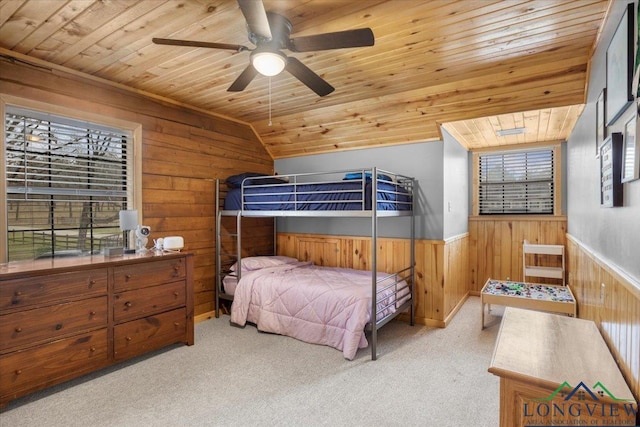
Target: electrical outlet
column 602, row 293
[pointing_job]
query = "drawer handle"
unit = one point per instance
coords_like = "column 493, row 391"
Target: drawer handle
column 128, row 276
column 127, row 338
column 18, row 371
column 92, row 349
column 18, row 293
column 176, row 323
column 128, row 304
column 92, row 282
column 92, row 313
column 58, row 326
column 176, row 293
column 18, row 329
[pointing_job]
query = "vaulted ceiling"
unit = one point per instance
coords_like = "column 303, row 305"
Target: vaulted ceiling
column 433, row 62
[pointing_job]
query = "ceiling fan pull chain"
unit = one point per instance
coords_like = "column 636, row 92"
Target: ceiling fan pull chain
column 269, row 100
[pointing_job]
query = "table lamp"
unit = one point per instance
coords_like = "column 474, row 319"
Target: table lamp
column 128, row 222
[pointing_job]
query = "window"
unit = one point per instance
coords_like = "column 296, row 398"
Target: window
column 517, row 182
column 65, row 182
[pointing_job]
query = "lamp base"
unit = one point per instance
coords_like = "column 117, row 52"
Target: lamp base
column 127, row 248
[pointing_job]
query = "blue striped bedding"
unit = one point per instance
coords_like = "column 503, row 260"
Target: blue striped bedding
column 341, row 195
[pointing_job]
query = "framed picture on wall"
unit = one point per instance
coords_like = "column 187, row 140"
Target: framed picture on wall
column 630, row 150
column 601, row 121
column 610, row 171
column 635, row 86
column 620, row 63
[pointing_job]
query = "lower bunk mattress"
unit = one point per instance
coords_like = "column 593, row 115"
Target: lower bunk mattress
column 336, row 196
column 320, row 305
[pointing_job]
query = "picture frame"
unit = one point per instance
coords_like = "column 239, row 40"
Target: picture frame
column 601, row 121
column 620, row 63
column 610, row 171
column 636, row 70
column 630, row 165
column 635, row 85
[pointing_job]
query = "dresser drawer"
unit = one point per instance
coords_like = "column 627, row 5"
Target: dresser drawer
column 31, row 327
column 148, row 274
column 28, row 291
column 57, row 361
column 151, row 333
column 142, row 302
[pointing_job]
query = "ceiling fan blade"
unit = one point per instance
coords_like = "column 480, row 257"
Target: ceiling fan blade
column 243, row 79
column 308, row 77
column 256, row 17
column 337, row 40
column 193, row 43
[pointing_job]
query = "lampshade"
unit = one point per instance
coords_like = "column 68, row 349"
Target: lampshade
column 268, row 63
column 128, row 220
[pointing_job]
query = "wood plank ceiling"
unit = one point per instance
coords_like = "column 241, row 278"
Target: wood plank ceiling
column 433, row 62
column 545, row 125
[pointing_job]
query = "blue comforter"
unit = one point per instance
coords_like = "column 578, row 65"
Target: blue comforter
column 344, row 195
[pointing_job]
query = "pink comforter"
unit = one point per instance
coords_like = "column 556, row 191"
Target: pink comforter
column 319, row 305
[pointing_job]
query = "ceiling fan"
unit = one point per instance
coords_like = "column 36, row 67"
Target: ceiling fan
column 270, row 32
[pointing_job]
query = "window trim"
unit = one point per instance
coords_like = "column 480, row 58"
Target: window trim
column 135, row 176
column 557, row 178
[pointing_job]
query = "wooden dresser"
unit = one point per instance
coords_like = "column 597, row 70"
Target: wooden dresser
column 62, row 318
column 557, row 370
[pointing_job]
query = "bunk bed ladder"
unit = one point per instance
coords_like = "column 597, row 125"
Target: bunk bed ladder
column 374, row 264
column 220, row 234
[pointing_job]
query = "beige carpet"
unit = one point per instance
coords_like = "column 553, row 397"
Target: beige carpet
column 240, row 377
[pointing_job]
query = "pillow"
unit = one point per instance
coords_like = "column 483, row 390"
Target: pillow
column 262, row 181
column 358, row 175
column 258, row 262
column 235, row 181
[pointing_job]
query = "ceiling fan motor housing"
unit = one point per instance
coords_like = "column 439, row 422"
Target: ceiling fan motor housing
column 280, row 32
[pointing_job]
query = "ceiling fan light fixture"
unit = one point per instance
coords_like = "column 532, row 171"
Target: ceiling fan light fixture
column 268, row 63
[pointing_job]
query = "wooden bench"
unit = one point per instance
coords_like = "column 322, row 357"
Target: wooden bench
column 557, row 370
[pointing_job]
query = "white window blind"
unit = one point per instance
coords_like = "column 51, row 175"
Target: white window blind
column 519, row 182
column 66, row 181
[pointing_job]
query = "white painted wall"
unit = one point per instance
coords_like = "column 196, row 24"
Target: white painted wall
column 611, row 233
column 456, row 187
column 423, row 161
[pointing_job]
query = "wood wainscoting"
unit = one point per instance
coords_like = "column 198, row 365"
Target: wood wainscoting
column 495, row 244
column 441, row 273
column 612, row 301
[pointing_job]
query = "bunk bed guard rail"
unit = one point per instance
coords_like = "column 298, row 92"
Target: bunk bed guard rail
column 343, row 193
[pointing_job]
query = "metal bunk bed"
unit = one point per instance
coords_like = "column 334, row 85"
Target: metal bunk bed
column 343, row 193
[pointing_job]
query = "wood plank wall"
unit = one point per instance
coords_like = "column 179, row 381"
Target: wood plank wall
column 441, row 283
column 615, row 309
column 495, row 245
column 456, row 258
column 183, row 150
